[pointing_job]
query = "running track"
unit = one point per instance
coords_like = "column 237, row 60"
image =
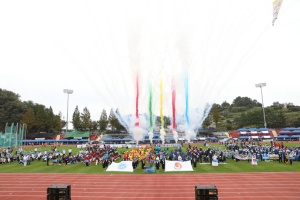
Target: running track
column 152, row 186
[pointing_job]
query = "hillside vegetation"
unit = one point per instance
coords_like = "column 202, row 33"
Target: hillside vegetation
column 247, row 113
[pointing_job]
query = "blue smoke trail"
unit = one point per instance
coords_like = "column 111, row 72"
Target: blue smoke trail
column 186, row 88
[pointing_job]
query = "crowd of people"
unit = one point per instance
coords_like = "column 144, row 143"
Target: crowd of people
column 54, row 157
column 275, row 151
column 155, row 155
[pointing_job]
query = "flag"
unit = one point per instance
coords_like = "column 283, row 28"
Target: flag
column 177, row 166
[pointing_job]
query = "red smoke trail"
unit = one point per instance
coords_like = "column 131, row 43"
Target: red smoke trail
column 137, row 101
column 173, row 105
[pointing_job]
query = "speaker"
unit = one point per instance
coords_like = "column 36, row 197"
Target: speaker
column 209, row 192
column 59, row 192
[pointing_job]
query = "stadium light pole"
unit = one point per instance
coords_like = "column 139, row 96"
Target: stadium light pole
column 261, row 85
column 67, row 91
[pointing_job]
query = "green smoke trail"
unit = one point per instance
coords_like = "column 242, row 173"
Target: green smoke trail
column 150, row 108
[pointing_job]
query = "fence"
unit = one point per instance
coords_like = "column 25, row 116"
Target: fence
column 13, row 136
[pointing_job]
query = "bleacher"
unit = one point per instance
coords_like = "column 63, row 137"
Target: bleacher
column 52, row 141
column 47, row 136
column 116, row 138
column 234, row 134
column 254, row 133
column 289, row 133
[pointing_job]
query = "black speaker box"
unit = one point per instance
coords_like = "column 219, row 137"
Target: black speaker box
column 59, row 192
column 209, row 192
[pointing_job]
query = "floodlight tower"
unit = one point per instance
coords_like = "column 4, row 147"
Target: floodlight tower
column 261, row 85
column 67, row 91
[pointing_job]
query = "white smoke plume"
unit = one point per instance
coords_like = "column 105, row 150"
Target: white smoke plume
column 175, row 135
column 150, row 136
column 162, row 135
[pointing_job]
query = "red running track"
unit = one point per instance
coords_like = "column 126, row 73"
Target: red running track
column 152, row 186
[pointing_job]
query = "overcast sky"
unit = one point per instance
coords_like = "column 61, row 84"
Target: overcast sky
column 98, row 48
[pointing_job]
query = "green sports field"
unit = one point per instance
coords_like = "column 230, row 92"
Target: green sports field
column 231, row 167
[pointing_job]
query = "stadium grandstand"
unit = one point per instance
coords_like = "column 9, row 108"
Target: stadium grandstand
column 115, row 138
column 289, row 134
column 125, row 138
column 255, row 133
column 72, row 137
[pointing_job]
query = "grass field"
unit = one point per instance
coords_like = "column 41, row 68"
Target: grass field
column 230, row 167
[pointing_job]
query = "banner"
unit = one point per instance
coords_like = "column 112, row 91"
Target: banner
column 178, row 166
column 150, row 169
column 214, row 162
column 79, row 146
column 254, row 160
column 124, row 166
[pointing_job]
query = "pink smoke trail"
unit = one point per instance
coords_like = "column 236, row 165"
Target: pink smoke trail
column 174, row 104
column 137, row 101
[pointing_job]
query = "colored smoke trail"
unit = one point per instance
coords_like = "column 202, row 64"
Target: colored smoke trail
column 175, row 134
column 162, row 131
column 150, row 115
column 186, row 88
column 137, row 130
column 137, row 101
column 173, row 104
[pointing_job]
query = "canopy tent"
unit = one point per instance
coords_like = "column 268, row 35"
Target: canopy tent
column 285, row 132
column 295, row 136
column 253, row 129
column 213, row 138
column 244, row 137
column 51, row 141
column 116, row 139
column 77, row 134
column 242, row 129
column 291, row 129
column 263, row 129
column 283, row 136
column 267, row 137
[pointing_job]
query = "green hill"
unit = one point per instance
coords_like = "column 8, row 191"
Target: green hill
column 248, row 113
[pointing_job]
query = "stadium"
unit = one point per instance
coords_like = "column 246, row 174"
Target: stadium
column 166, row 70
column 84, row 165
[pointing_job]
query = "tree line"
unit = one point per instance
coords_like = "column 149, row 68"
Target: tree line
column 82, row 121
column 37, row 117
column 243, row 112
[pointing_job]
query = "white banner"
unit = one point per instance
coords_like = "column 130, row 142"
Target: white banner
column 79, row 146
column 214, row 163
column 124, row 166
column 178, row 166
column 39, row 138
column 254, row 161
